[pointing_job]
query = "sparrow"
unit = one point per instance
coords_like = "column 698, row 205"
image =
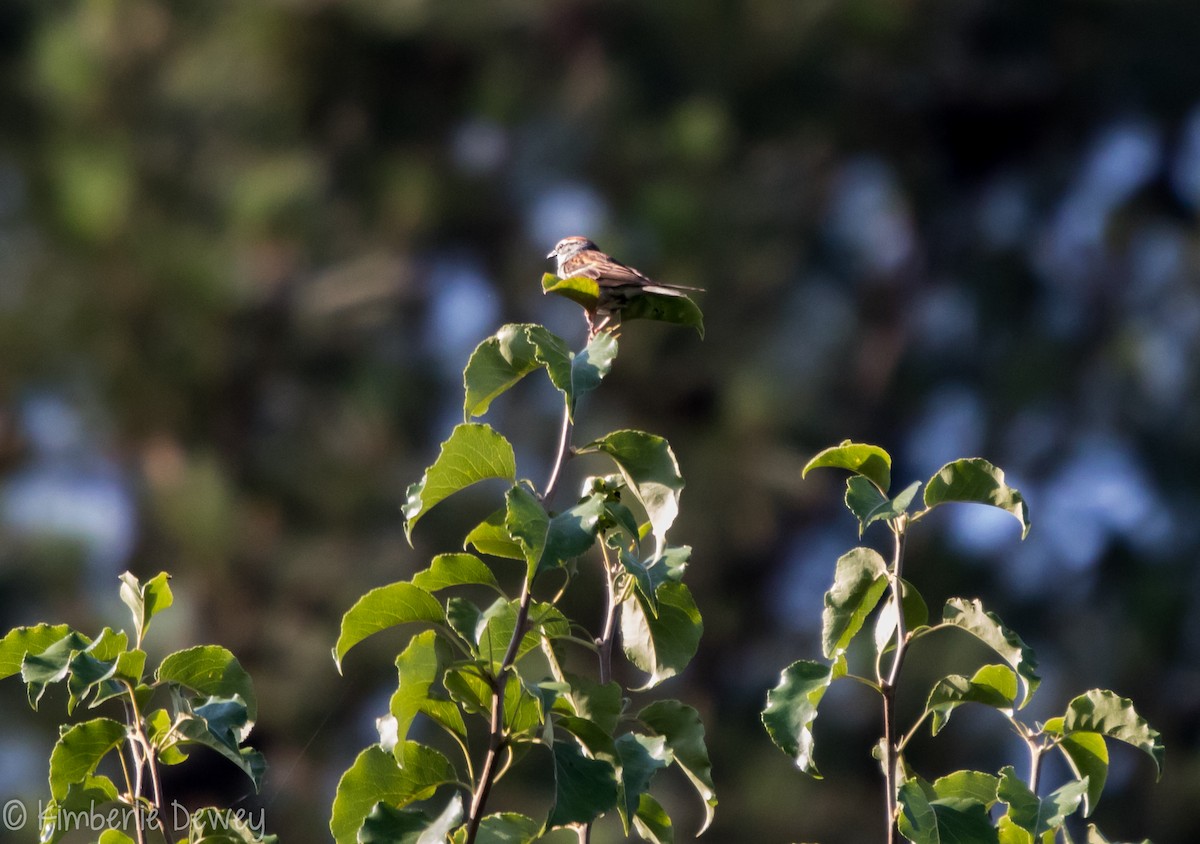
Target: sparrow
column 619, row 283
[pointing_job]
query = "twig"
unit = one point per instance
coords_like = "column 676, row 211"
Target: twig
column 888, row 686
column 496, row 737
column 564, row 447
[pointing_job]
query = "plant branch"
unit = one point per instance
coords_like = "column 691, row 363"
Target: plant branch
column 564, row 448
column 496, row 736
column 892, row 744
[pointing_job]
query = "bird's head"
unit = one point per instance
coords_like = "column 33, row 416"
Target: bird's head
column 569, row 246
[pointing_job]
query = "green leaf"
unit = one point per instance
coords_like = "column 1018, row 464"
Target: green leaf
column 113, row 836
column 384, row 607
column 893, row 507
column 992, row 685
column 95, row 664
column 584, row 789
column 975, row 480
column 419, row 666
column 651, row 472
column 652, row 823
column 584, row 292
column 972, row 785
column 600, row 703
column 79, row 750
column 145, row 600
column 51, row 664
column 859, row 581
column 463, row 618
column 661, row 645
column 675, row 309
column 82, row 798
column 27, row 640
column 161, row 735
column 870, row 461
column 376, row 777
column 388, row 825
column 210, row 671
column 491, row 537
column 680, row 725
column 496, row 625
column 505, row 358
column 1036, row 816
column 641, row 757
column 1087, row 754
column 792, row 708
column 916, row 614
column 549, row 541
column 224, row 826
column 989, row 629
column 446, row 570
column 862, row 499
column 940, row 820
column 473, row 453
column 221, row 724
column 502, row 828
column 590, row 366
column 1112, row 716
column 522, row 708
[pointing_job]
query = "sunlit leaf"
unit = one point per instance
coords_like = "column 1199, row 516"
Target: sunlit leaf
column 210, row 671
column 975, row 480
column 583, row 291
column 652, row 823
column 663, row 643
column 473, row 453
column 446, row 570
column 381, row 608
column 145, row 600
column 641, row 757
column 549, row 541
column 792, row 708
column 419, row 666
column 1087, row 754
column 989, row 629
column 992, row 685
column 651, row 472
column 870, row 461
column 27, row 640
column 79, row 750
column 1112, row 716
column 492, row 538
column 1032, row 814
column 860, row 580
column 502, row 828
column 376, row 777
column 926, row 818
column 680, row 725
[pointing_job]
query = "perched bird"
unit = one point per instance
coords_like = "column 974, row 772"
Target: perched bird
column 619, row 284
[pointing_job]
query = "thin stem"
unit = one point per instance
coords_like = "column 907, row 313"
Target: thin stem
column 611, row 609
column 564, row 448
column 496, row 737
column 1035, row 763
column 892, row 745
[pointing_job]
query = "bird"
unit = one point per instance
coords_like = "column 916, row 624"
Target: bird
column 618, row 283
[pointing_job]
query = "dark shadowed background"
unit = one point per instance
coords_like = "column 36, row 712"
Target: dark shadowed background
column 246, row 248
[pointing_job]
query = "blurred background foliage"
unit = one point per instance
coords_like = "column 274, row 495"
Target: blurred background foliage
column 246, row 248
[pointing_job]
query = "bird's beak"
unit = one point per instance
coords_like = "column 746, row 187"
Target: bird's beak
column 550, row 254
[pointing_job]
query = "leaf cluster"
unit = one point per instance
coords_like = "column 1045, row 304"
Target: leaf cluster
column 496, row 675
column 967, row 806
column 197, row 697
